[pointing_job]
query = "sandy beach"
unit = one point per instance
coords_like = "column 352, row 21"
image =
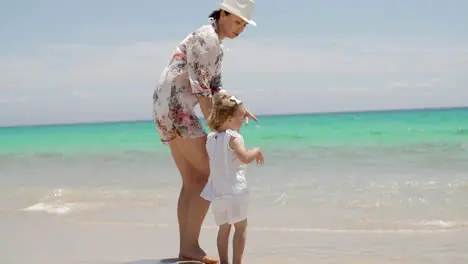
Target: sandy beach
column 27, row 238
column 345, row 189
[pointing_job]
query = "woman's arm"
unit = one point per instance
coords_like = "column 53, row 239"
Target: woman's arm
column 204, row 71
column 205, row 103
column 202, row 53
column 200, row 63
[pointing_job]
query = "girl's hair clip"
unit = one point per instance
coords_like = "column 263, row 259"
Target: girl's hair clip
column 235, row 100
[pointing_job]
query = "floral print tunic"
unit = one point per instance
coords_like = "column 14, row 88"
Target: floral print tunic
column 194, row 70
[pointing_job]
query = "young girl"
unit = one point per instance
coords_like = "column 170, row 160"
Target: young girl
column 227, row 187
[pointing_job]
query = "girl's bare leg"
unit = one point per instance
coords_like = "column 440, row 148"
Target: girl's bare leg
column 239, row 241
column 223, row 243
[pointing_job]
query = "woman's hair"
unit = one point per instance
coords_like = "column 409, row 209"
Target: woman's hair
column 217, row 14
column 223, row 108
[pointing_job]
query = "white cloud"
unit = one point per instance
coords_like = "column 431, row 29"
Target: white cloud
column 57, row 81
column 14, row 100
column 349, row 89
column 418, row 84
column 79, row 66
column 83, row 94
column 73, row 67
column 274, row 57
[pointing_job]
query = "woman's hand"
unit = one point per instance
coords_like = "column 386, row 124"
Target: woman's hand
column 249, row 115
column 247, row 112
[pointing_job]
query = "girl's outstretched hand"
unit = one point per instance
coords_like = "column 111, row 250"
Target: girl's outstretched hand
column 260, row 159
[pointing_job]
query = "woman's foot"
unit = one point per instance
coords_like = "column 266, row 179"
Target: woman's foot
column 205, row 259
column 198, row 255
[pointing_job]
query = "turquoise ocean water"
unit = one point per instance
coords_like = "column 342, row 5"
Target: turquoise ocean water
column 384, row 172
column 387, row 129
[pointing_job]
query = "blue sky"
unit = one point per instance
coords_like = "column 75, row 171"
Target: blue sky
column 79, row 61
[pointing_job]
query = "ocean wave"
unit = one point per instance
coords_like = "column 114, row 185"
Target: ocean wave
column 428, row 132
column 441, row 223
column 49, row 155
column 65, row 201
column 395, row 230
column 53, row 208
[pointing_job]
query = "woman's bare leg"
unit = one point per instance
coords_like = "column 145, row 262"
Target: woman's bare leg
column 184, row 196
column 223, row 243
column 239, row 241
column 192, row 161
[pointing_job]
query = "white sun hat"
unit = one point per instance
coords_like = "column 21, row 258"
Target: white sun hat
column 241, row 8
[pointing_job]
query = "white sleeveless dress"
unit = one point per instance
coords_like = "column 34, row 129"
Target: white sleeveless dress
column 227, row 187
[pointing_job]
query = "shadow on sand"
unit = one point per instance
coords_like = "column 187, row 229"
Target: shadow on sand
column 162, row 261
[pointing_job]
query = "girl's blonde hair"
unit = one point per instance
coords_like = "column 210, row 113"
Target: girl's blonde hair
column 224, row 107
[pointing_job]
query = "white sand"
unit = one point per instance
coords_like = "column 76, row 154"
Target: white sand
column 33, row 238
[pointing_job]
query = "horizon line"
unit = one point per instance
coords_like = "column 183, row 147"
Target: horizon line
column 259, row 115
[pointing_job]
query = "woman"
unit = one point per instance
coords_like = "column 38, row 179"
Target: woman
column 192, row 77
